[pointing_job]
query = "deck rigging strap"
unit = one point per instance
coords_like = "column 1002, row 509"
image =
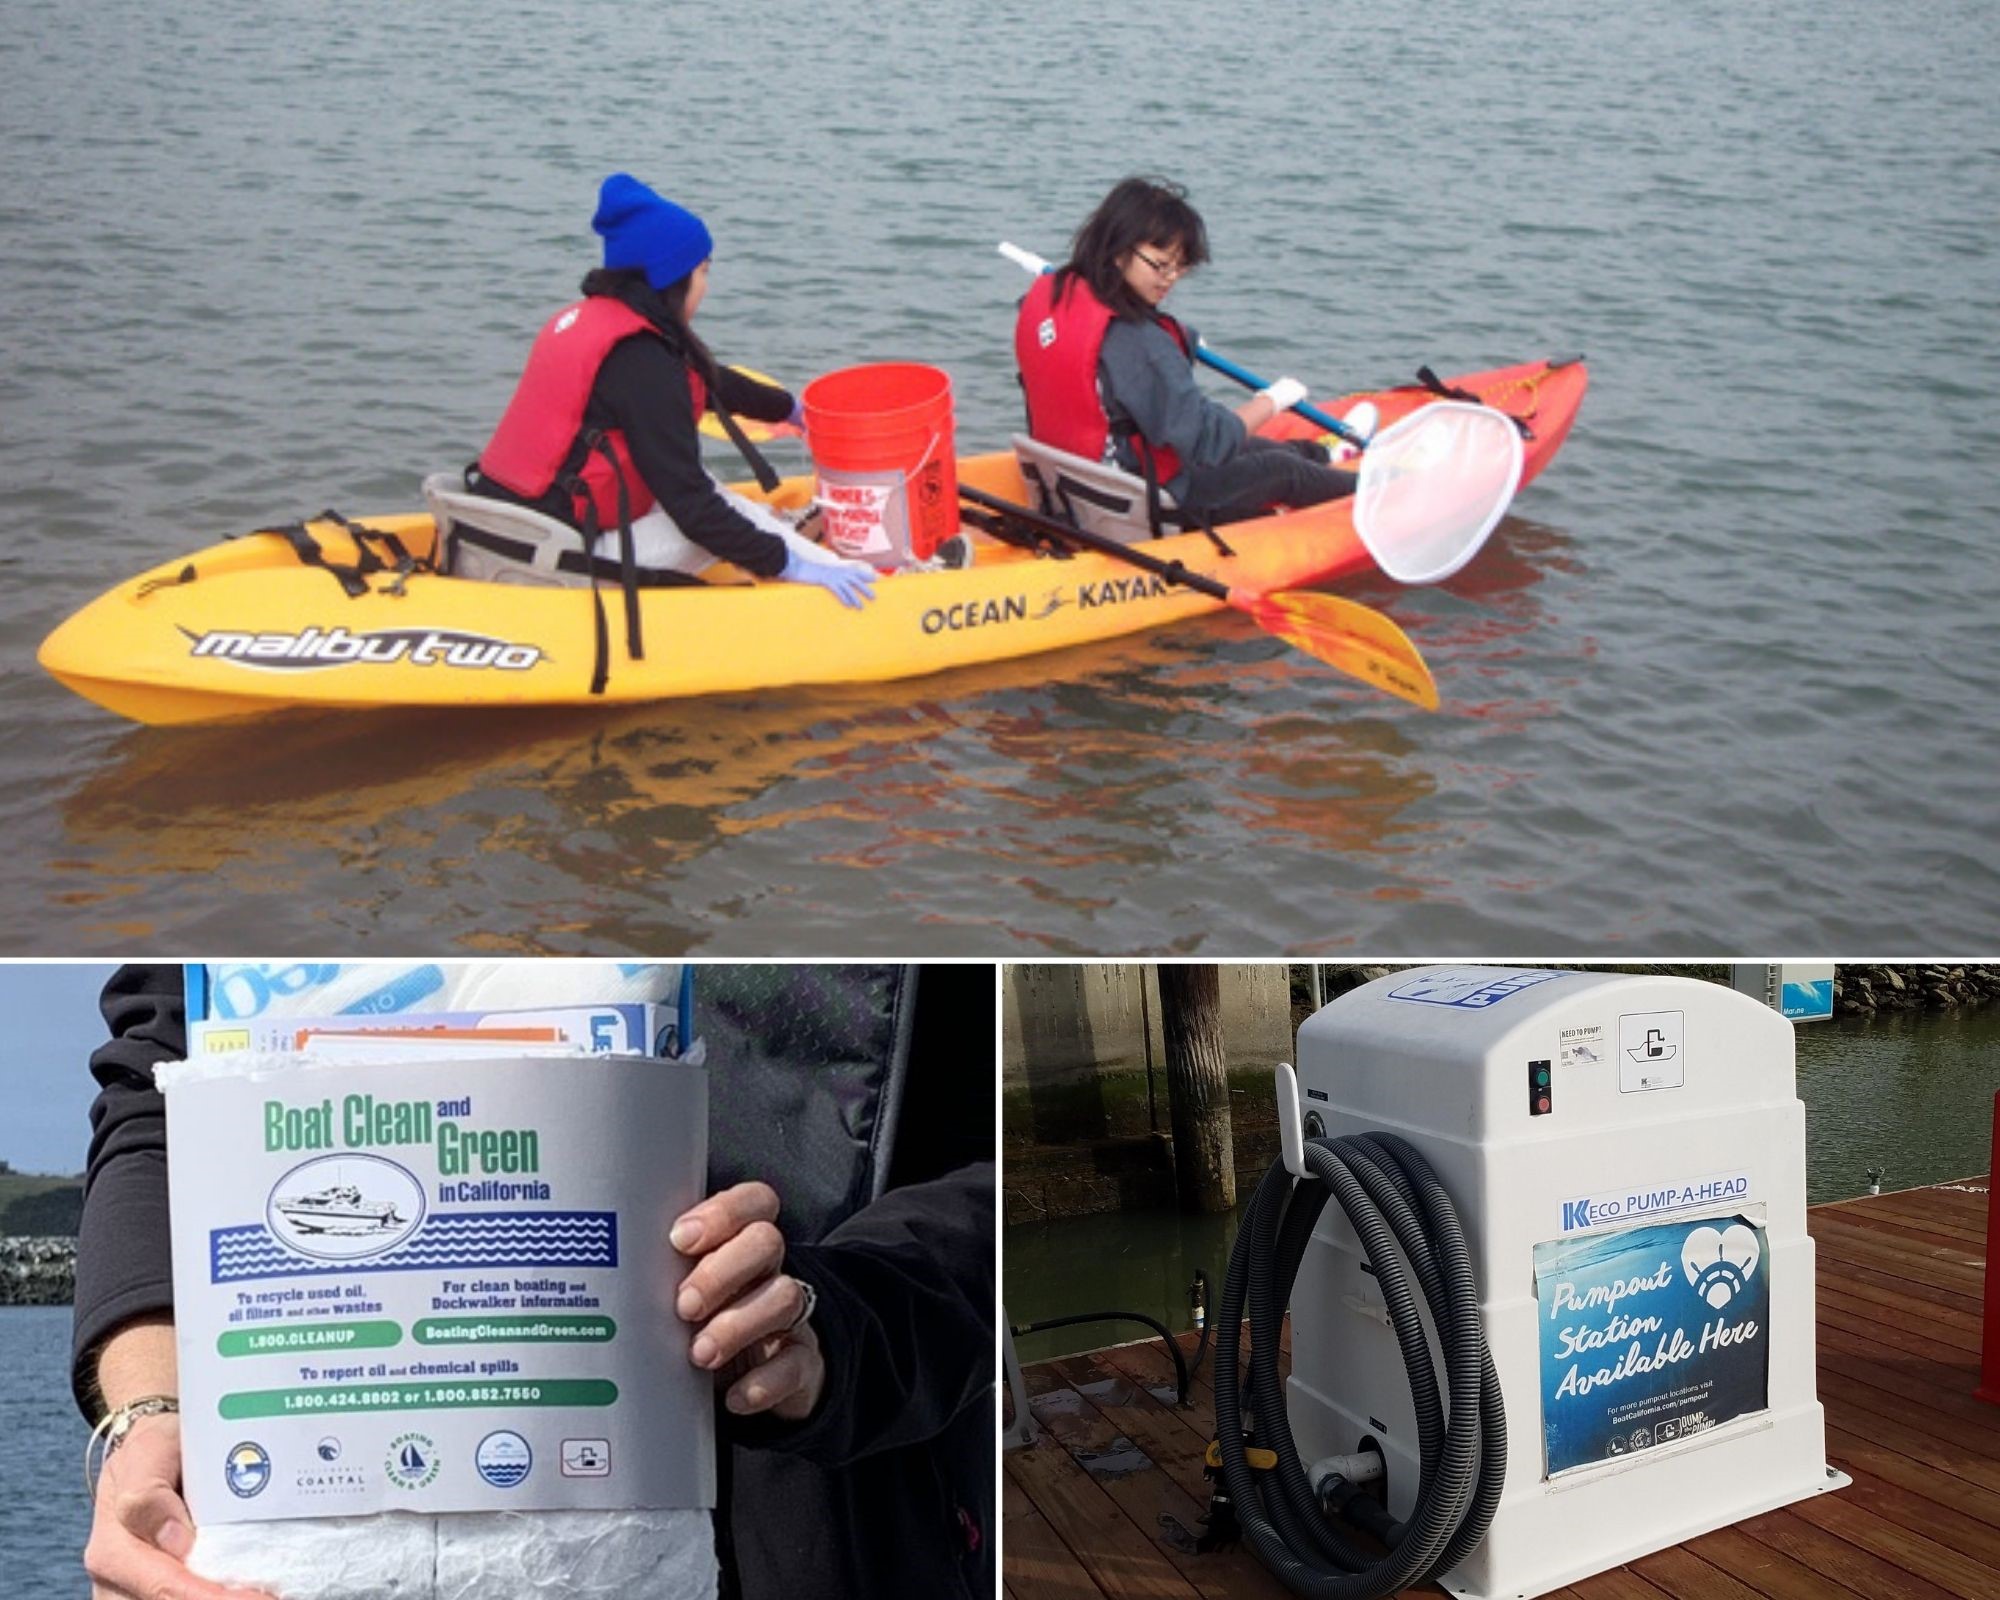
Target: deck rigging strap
column 1451, row 391
column 761, row 469
column 352, row 576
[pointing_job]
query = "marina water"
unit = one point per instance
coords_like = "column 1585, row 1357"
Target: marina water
column 1911, row 1094
column 1726, row 681
column 44, row 1518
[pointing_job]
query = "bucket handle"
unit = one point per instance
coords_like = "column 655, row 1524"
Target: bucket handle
column 924, row 460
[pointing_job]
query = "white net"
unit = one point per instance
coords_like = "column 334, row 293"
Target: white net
column 1432, row 487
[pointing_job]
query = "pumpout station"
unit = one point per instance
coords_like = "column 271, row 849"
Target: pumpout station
column 1561, row 1314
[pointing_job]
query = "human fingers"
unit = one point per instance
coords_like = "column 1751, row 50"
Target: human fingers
column 733, row 1270
column 721, row 1217
column 773, row 1306
column 140, row 1531
column 788, row 1384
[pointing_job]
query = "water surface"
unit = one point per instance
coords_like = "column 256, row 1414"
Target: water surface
column 44, row 1518
column 1909, row 1094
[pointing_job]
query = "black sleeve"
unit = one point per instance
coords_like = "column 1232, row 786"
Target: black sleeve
column 642, row 390
column 905, row 1320
column 124, row 1266
column 744, row 396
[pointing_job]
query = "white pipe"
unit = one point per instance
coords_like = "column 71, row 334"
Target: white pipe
column 1364, row 1466
column 1026, row 259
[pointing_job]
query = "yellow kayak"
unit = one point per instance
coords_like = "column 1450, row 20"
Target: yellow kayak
column 243, row 628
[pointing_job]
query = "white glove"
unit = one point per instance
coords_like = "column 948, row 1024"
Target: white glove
column 1284, row 394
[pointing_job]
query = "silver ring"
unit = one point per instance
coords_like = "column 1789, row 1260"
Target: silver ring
column 805, row 1311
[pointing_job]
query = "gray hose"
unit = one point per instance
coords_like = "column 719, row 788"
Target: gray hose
column 1407, row 1228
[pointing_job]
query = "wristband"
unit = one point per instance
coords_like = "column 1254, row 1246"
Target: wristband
column 112, row 1429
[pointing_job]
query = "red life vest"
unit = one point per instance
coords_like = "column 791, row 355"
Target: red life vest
column 538, row 432
column 1056, row 346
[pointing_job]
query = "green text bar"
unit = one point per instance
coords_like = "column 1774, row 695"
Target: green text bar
column 311, row 1336
column 444, row 1396
column 514, row 1330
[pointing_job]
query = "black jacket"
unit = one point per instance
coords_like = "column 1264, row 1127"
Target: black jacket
column 888, row 1488
column 642, row 392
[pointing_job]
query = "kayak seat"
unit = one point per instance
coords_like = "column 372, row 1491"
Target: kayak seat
column 494, row 541
column 1094, row 495
column 491, row 541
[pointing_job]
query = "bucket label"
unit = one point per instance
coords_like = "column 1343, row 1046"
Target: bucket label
column 424, row 1283
column 866, row 517
column 1468, row 988
column 1650, row 1336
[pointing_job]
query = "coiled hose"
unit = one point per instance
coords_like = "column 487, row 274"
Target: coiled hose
column 1402, row 1214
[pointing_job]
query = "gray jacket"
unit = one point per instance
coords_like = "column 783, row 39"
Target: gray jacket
column 1147, row 380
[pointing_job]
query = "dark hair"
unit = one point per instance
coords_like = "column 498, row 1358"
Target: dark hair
column 665, row 308
column 1138, row 212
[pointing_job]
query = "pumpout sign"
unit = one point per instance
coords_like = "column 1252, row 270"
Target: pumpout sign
column 1650, row 1336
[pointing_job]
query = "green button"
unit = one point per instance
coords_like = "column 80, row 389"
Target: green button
column 324, row 1336
column 514, row 1330
column 445, row 1394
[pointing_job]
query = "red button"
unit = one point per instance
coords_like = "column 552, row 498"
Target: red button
column 1542, row 1104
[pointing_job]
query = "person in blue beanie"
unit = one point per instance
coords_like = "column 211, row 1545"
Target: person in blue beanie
column 602, row 430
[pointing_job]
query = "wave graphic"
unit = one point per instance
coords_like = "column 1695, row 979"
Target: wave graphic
column 447, row 1239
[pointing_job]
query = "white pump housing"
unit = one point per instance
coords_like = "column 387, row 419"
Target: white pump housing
column 1627, row 1156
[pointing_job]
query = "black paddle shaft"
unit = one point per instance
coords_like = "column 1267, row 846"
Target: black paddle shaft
column 1172, row 571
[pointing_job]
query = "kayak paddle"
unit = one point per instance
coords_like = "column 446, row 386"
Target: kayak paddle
column 1432, row 486
column 1345, row 634
column 755, row 432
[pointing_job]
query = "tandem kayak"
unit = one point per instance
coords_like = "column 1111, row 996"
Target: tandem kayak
column 244, row 629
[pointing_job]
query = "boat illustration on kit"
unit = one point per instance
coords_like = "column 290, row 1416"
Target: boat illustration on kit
column 339, row 1209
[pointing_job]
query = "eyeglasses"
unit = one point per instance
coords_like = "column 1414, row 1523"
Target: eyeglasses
column 1169, row 270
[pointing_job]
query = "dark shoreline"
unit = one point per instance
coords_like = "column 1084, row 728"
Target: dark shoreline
column 37, row 1272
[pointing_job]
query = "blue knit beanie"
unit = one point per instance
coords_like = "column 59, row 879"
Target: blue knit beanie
column 642, row 230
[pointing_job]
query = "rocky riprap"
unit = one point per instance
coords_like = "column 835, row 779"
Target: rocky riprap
column 37, row 1272
column 1914, row 986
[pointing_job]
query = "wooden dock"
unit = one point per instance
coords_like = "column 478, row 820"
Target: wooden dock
column 1105, row 1504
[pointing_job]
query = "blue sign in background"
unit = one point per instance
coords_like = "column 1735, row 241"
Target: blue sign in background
column 1811, row 1001
column 1650, row 1336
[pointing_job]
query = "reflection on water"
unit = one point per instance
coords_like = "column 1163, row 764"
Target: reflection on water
column 1054, row 783
column 1043, row 801
column 1911, row 1094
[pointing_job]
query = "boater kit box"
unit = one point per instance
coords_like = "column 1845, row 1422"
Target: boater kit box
column 435, row 1284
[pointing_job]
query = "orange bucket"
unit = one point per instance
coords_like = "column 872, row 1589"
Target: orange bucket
column 884, row 459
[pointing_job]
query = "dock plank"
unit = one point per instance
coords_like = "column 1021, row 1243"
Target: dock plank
column 1095, row 1509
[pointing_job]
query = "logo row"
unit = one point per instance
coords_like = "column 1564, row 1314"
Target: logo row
column 503, row 1459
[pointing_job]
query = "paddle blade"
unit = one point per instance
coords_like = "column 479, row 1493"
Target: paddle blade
column 755, row 432
column 1345, row 634
column 1433, row 486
